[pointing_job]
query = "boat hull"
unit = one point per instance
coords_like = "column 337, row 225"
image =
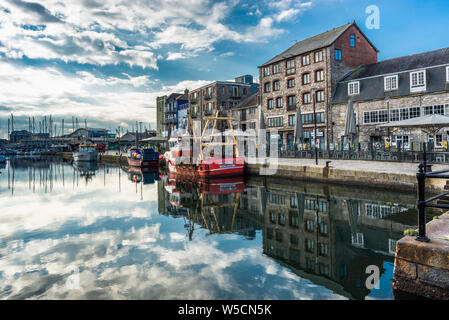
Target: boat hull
column 143, row 163
column 85, row 156
column 210, row 169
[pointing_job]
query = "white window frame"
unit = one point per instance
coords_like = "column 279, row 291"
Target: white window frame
column 354, row 88
column 419, row 87
column 266, row 71
column 447, row 74
column 388, row 83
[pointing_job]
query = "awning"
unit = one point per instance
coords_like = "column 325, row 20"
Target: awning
column 430, row 124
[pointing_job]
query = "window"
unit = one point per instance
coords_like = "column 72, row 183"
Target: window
column 266, row 71
column 293, row 202
column 276, row 85
column 319, row 75
column 290, row 66
column 415, row 112
column 352, row 40
column 338, row 55
column 447, row 74
column 276, row 198
column 306, row 98
column 403, row 140
column 267, row 87
column 309, row 245
column 323, row 249
column 309, row 225
column 318, row 56
column 391, row 83
column 291, row 120
column 275, row 68
column 294, row 239
column 404, row 114
column 252, row 125
column 290, row 83
column 418, row 81
column 252, row 110
column 306, row 78
column 353, row 88
column 279, row 102
column 291, row 102
column 376, row 116
column 394, row 115
column 305, row 60
column 275, row 122
column 270, row 104
column 320, row 96
column 282, row 219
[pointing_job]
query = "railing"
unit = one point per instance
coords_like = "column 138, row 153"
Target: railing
column 425, row 172
column 208, row 96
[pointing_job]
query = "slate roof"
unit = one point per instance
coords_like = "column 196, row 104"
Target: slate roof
column 371, row 76
column 319, row 41
column 250, row 101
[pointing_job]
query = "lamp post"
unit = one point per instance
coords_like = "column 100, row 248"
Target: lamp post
column 315, row 129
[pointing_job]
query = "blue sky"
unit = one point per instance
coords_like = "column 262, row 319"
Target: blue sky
column 106, row 61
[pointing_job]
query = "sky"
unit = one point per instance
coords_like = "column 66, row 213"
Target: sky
column 106, row 61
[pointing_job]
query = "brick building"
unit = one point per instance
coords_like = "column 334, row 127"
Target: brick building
column 219, row 96
column 310, row 70
column 394, row 90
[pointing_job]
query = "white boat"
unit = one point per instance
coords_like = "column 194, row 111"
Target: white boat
column 87, row 152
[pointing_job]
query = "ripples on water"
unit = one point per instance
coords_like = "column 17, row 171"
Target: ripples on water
column 101, row 232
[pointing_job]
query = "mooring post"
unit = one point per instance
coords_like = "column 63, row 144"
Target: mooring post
column 421, row 176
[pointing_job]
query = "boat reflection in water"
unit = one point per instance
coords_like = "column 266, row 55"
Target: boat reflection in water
column 144, row 175
column 86, row 169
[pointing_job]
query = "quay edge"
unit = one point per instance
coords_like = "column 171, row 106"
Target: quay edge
column 364, row 178
column 422, row 268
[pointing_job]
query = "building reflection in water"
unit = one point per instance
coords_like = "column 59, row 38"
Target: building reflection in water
column 326, row 234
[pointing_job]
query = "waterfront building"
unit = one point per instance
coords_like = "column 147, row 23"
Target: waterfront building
column 246, row 114
column 307, row 72
column 394, row 90
column 171, row 114
column 220, row 96
column 182, row 107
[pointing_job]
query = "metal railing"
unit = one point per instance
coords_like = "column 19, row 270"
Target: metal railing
column 424, row 172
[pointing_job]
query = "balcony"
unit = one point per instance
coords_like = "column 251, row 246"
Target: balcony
column 208, row 96
column 193, row 114
column 208, row 112
column 193, row 101
column 291, row 107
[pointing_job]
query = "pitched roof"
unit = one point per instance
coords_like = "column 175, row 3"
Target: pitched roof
column 250, row 101
column 319, row 41
column 371, row 76
column 401, row 64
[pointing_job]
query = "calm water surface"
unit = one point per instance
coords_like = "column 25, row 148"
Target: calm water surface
column 101, row 232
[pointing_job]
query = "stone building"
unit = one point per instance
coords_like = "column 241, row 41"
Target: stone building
column 246, row 114
column 219, row 96
column 308, row 71
column 394, row 90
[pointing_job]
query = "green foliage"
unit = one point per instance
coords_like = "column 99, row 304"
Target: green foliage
column 410, row 232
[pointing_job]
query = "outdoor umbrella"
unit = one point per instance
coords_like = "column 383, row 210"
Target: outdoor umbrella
column 299, row 132
column 430, row 124
column 350, row 126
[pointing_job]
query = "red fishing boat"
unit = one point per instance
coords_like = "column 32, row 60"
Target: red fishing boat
column 181, row 161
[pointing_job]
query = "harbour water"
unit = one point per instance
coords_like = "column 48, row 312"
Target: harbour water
column 105, row 232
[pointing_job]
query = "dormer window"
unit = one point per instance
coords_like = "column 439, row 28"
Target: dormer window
column 418, row 81
column 354, row 88
column 447, row 74
column 391, row 83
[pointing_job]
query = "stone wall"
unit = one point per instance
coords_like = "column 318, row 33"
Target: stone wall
column 374, row 130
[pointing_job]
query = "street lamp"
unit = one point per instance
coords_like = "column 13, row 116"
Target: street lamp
column 315, row 129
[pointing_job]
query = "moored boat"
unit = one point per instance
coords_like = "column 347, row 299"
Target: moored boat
column 86, row 152
column 143, row 157
column 181, row 160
